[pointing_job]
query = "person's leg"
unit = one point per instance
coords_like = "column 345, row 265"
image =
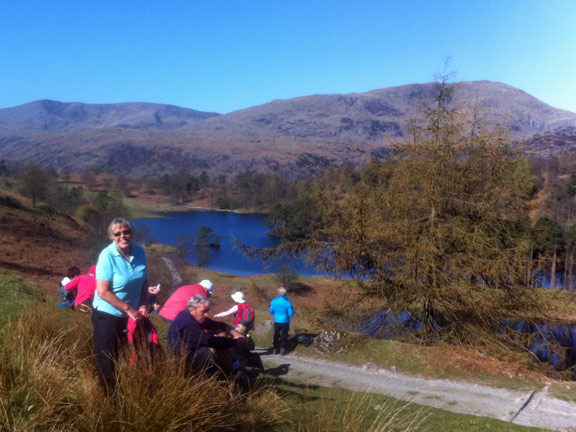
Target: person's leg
column 224, row 361
column 108, row 337
column 276, row 339
column 198, row 360
column 284, row 338
column 71, row 295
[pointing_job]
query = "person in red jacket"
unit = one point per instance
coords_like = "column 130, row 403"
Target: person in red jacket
column 85, row 286
column 176, row 303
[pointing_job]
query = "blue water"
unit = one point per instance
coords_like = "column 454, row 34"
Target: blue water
column 550, row 343
column 247, row 228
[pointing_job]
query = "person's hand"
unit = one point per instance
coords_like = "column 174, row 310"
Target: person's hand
column 132, row 313
column 143, row 311
column 236, row 334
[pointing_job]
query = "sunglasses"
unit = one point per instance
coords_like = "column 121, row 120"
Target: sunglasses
column 125, row 233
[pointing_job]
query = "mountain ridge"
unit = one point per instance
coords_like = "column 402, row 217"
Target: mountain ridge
column 54, row 116
column 289, row 136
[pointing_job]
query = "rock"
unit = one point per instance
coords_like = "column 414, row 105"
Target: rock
column 370, row 367
column 329, row 341
column 264, row 327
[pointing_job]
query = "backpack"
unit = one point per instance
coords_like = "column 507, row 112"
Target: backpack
column 245, row 315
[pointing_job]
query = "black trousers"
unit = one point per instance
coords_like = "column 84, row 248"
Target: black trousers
column 109, row 337
column 281, row 335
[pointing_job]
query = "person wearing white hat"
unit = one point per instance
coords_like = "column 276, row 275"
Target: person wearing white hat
column 242, row 311
column 178, row 300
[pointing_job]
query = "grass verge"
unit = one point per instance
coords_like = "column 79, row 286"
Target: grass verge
column 315, row 408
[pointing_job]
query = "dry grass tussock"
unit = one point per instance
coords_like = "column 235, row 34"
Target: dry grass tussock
column 362, row 414
column 48, row 383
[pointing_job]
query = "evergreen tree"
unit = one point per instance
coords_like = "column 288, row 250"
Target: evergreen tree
column 440, row 231
column 35, row 182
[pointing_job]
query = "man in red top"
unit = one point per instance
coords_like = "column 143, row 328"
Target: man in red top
column 177, row 301
column 86, row 285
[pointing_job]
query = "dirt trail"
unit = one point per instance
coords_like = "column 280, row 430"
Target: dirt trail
column 536, row 408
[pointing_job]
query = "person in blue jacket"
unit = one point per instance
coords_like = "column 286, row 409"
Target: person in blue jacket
column 282, row 310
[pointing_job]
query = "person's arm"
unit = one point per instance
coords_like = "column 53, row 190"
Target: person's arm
column 216, row 327
column 230, row 311
column 218, row 342
column 194, row 336
column 103, row 288
column 73, row 284
column 290, row 310
column 143, row 309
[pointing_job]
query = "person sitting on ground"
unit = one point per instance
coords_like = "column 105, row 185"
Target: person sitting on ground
column 85, row 286
column 242, row 311
column 71, row 273
column 242, row 352
column 177, row 301
column 281, row 309
column 194, row 335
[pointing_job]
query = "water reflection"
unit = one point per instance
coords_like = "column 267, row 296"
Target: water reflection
column 246, row 228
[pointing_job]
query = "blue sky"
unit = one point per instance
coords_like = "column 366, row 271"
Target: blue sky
column 224, row 55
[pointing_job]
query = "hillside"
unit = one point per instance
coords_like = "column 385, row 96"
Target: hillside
column 38, row 245
column 294, row 137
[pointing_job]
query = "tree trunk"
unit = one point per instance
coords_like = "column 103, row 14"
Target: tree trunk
column 565, row 280
column 570, row 276
column 553, row 270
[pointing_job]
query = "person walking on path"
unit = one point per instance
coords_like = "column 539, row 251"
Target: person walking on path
column 282, row 310
column 176, row 303
column 242, row 311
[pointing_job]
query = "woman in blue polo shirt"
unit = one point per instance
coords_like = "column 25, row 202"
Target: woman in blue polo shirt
column 121, row 292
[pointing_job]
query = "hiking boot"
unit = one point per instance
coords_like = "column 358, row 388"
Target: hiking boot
column 67, row 304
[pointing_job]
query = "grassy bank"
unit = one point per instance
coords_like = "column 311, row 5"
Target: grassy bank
column 47, row 382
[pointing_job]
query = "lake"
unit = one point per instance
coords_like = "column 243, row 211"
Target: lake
column 247, row 228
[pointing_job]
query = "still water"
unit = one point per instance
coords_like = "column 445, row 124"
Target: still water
column 247, row 228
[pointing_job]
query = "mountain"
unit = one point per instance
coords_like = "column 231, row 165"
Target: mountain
column 56, row 117
column 293, row 137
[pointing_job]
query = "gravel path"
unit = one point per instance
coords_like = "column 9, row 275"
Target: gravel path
column 536, row 408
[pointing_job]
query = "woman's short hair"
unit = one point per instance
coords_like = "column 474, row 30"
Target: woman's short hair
column 196, row 301
column 119, row 221
column 281, row 291
column 73, row 272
